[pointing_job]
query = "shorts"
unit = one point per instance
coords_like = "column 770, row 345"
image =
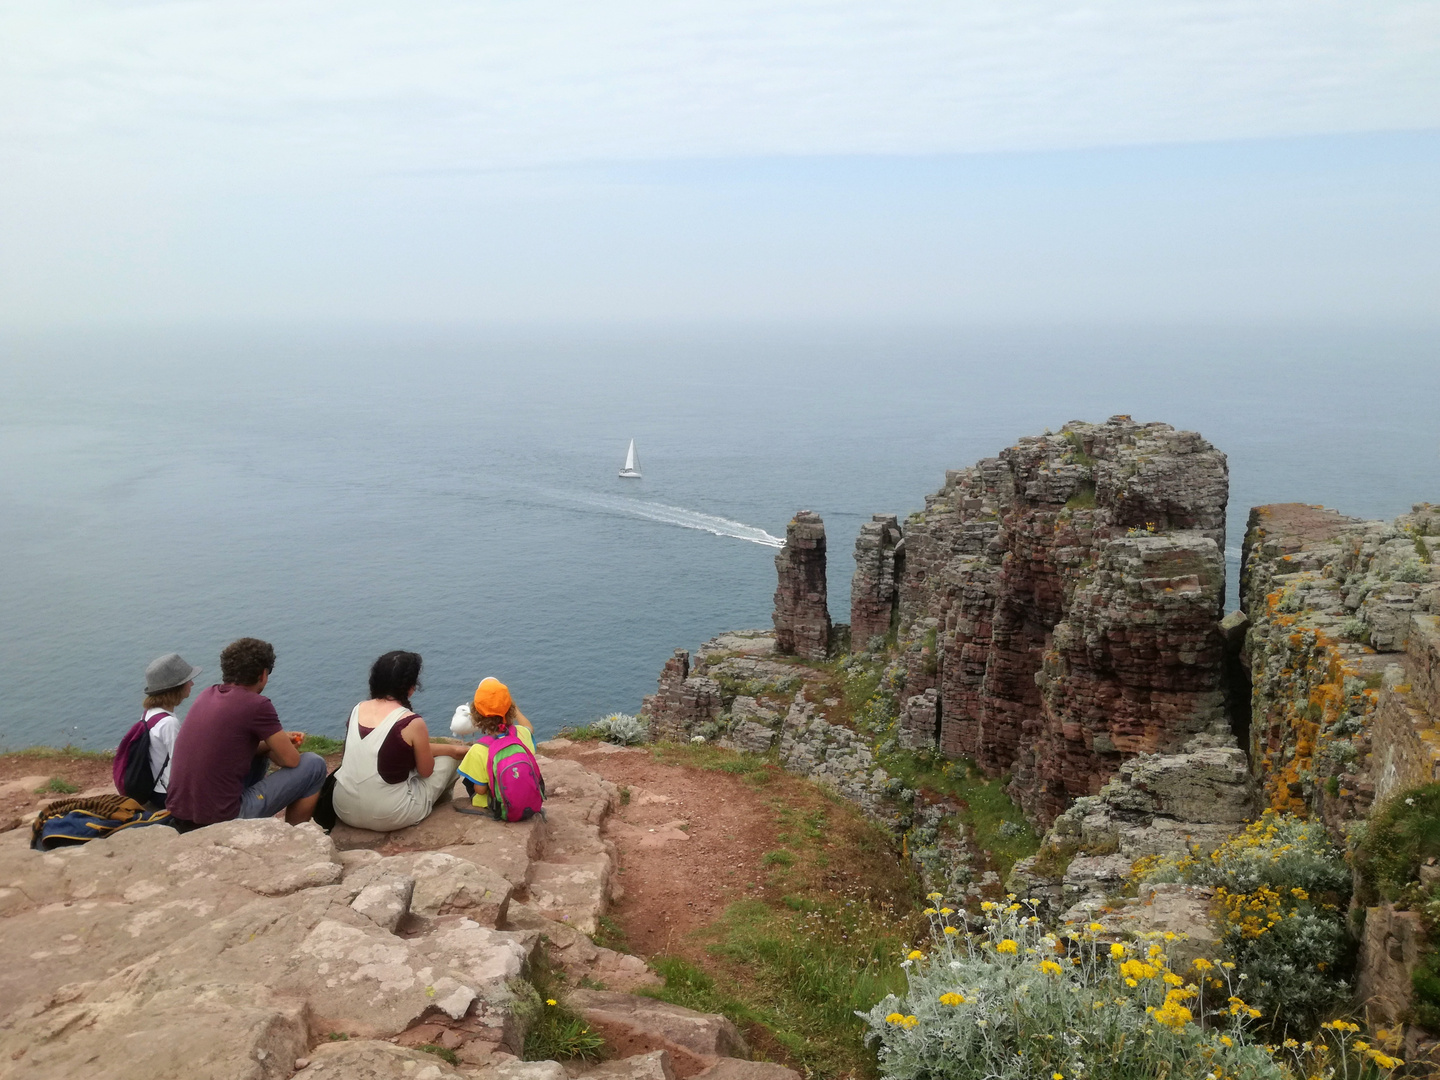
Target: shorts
column 281, row 787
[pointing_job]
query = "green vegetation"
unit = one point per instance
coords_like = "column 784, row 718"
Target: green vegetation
column 1422, row 549
column 322, row 745
column 1084, row 497
column 556, row 1032
column 440, row 1052
column 821, row 936
column 1078, row 456
column 1399, row 838
column 996, row 822
column 57, row 785
column 1281, row 893
column 1008, row 1001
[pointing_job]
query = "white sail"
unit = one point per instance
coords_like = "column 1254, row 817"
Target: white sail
column 632, row 463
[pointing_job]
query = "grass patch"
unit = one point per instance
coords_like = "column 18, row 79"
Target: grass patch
column 440, row 1052
column 997, row 823
column 610, row 935
column 57, row 785
column 557, row 1032
column 777, row 858
column 1084, row 497
column 583, row 733
column 712, row 758
column 322, row 745
column 66, row 751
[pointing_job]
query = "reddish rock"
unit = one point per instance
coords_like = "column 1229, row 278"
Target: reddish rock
column 1063, row 600
column 802, row 619
column 873, row 589
column 683, row 701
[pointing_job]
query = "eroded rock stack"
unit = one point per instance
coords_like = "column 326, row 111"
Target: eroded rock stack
column 873, row 591
column 683, row 701
column 1063, row 600
column 802, row 617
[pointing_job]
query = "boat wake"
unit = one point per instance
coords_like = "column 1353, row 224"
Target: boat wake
column 674, row 515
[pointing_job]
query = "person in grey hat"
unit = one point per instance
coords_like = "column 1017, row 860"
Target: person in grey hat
column 168, row 682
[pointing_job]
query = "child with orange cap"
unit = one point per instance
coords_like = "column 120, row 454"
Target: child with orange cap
column 491, row 712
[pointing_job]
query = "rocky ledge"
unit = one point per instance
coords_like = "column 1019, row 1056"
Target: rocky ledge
column 253, row 950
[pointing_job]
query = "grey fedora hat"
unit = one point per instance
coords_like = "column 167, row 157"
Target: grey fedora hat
column 167, row 672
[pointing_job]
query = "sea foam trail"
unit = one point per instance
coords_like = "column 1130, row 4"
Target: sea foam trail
column 674, row 515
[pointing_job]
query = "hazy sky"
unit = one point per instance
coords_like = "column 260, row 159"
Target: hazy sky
column 1016, row 159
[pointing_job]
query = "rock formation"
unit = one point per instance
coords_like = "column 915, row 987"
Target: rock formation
column 873, row 594
column 1343, row 649
column 802, row 619
column 682, row 703
column 1063, row 601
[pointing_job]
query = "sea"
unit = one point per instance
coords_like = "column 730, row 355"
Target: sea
column 345, row 491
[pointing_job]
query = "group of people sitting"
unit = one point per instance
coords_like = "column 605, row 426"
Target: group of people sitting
column 216, row 765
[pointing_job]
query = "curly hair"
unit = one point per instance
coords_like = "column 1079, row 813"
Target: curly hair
column 244, row 661
column 492, row 725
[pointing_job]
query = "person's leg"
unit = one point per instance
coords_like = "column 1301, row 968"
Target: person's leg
column 296, row 791
column 438, row 784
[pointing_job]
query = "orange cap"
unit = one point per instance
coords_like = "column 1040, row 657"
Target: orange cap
column 492, row 698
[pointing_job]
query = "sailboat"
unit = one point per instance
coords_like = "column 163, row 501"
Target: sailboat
column 631, row 471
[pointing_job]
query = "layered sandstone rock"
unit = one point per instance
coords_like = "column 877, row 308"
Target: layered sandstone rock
column 682, row 703
column 802, row 618
column 879, row 556
column 1342, row 645
column 1062, row 599
column 230, row 951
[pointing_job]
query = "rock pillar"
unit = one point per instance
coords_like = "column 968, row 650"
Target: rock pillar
column 682, row 703
column 873, row 592
column 802, row 619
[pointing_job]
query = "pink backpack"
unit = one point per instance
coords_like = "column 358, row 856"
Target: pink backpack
column 517, row 790
column 131, row 771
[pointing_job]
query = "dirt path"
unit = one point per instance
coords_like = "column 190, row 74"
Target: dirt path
column 690, row 842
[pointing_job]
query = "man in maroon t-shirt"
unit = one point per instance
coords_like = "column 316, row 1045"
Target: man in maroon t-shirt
column 230, row 736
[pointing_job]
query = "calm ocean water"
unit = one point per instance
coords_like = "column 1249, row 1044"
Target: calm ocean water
column 345, row 493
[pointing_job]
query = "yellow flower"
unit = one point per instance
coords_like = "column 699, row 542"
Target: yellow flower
column 932, row 896
column 895, row 1018
column 1057, row 1076
column 931, row 911
column 952, row 998
column 1203, row 965
column 551, row 1001
column 1095, row 927
column 1117, row 950
column 951, row 930
column 1361, row 1045
column 1172, row 979
column 908, row 1022
column 947, row 911
column 1049, row 967
column 1225, row 1040
column 988, row 905
column 1009, row 947
column 915, row 954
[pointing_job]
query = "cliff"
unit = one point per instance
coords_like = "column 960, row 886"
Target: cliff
column 1062, row 600
column 1342, row 646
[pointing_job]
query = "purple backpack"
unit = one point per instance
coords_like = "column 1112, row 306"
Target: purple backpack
column 517, row 790
column 131, row 771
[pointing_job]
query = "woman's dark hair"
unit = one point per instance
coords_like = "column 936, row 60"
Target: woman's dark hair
column 394, row 675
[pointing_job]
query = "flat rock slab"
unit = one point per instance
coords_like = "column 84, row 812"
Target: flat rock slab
column 636, row 1025
column 209, row 1032
column 739, row 1069
column 368, row 1059
column 652, row 1066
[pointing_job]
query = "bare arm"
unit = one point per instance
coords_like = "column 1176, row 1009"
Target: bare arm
column 417, row 735
column 281, row 750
